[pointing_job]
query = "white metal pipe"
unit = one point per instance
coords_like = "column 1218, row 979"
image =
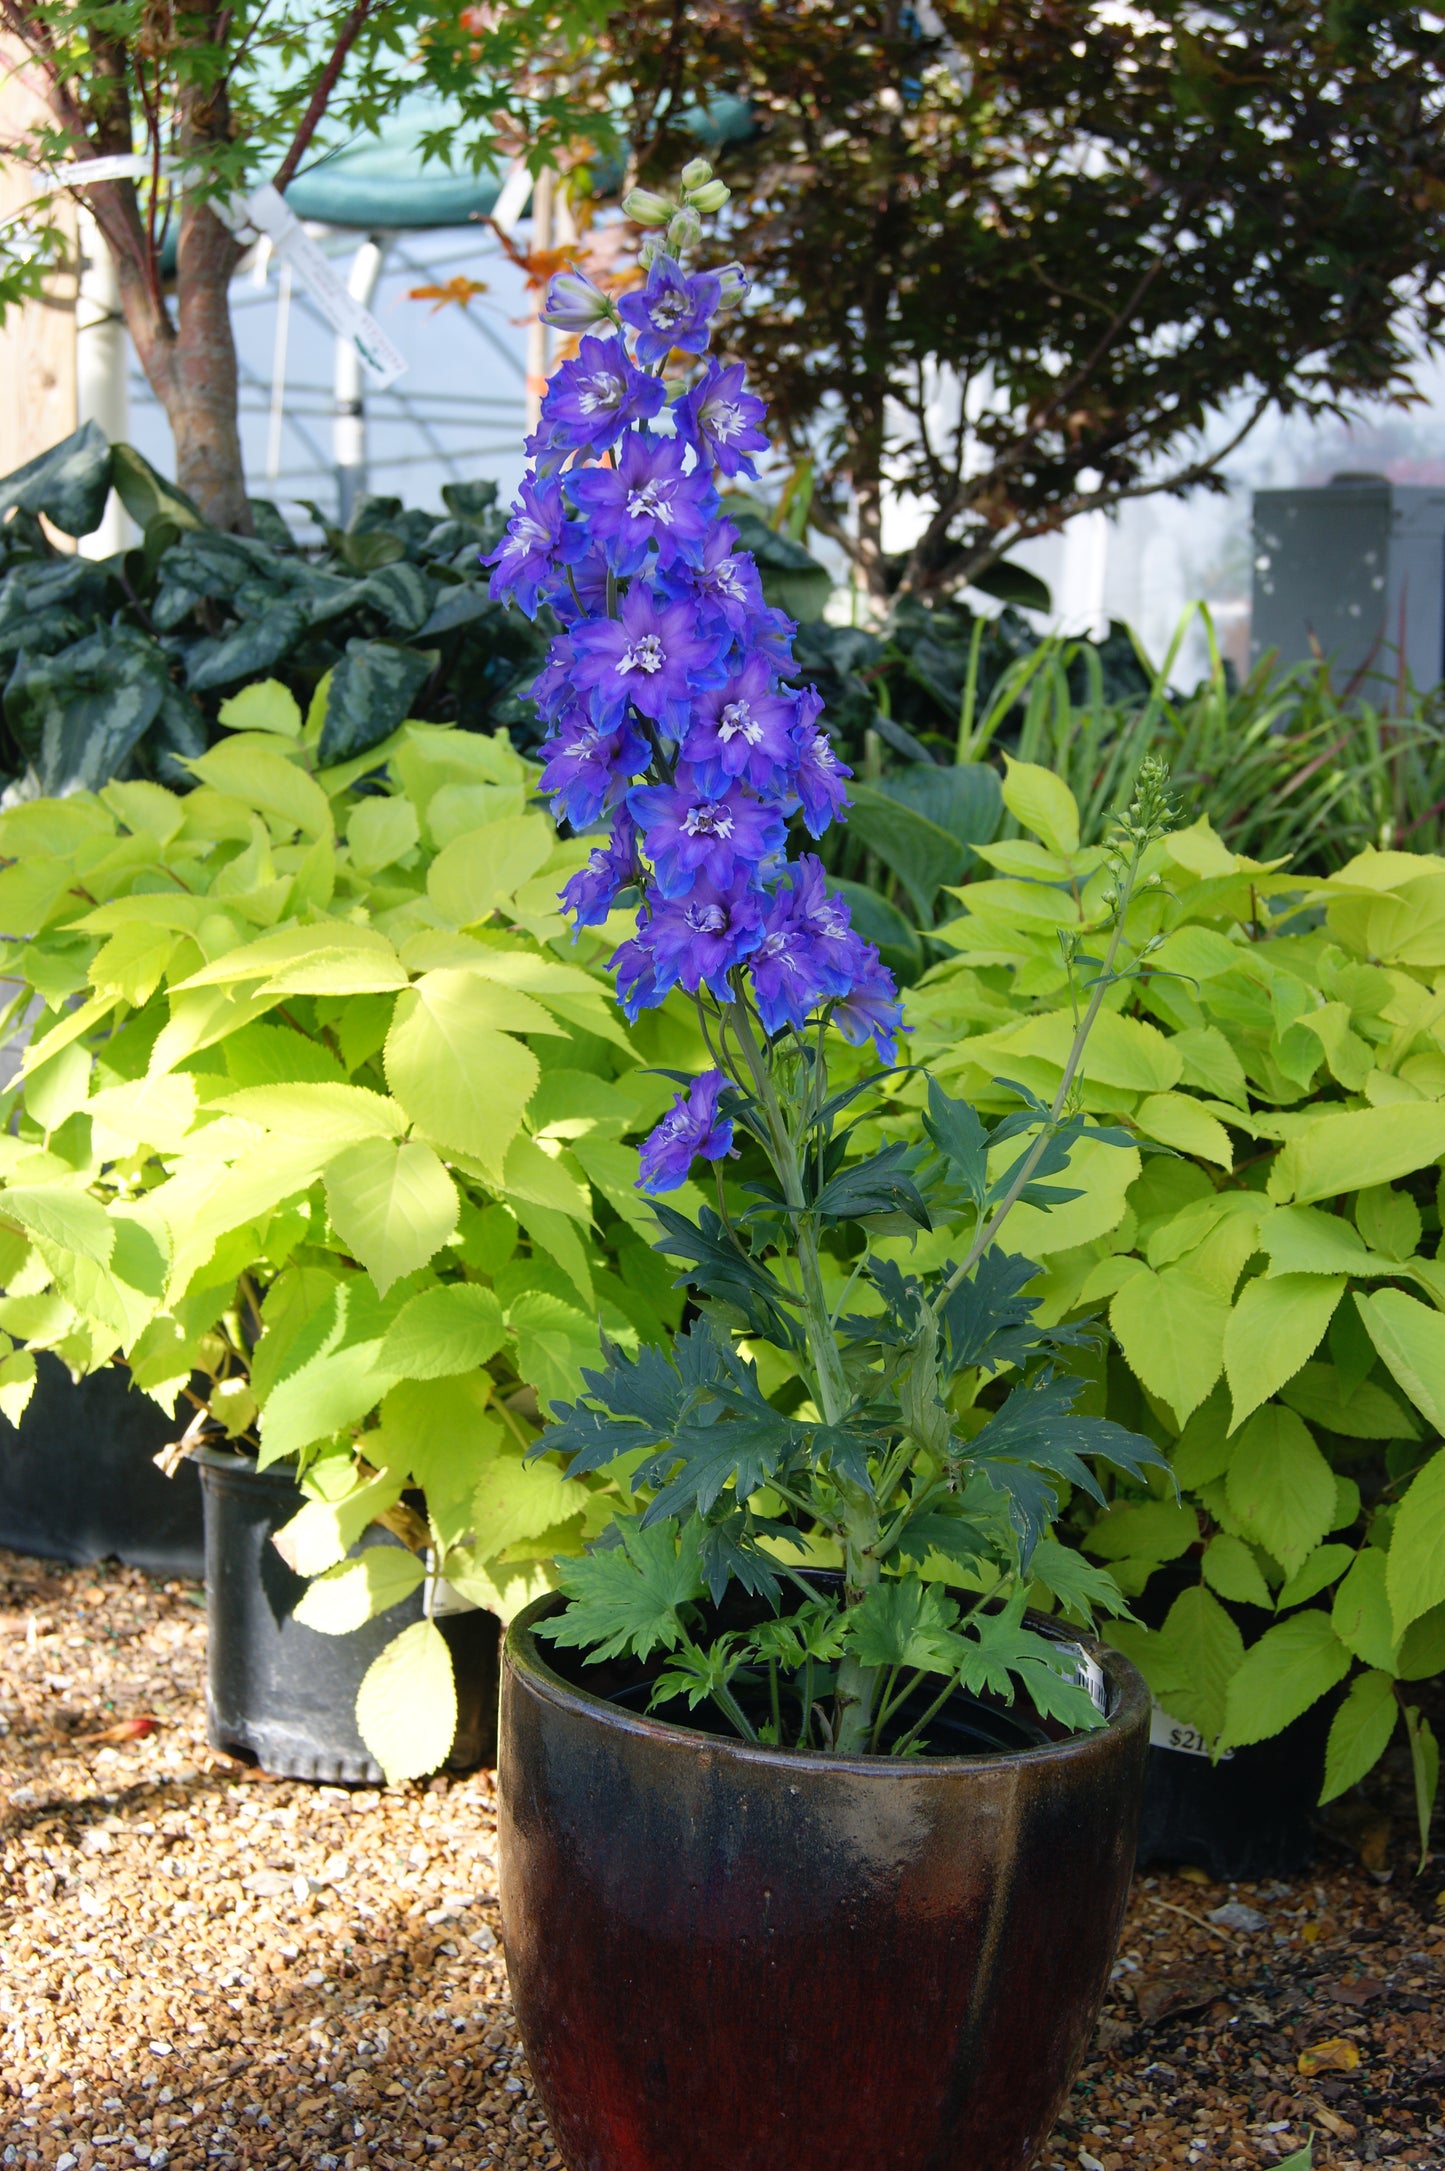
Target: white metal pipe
column 348, row 434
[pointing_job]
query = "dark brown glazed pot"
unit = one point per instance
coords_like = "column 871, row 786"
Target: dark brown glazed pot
column 729, row 1958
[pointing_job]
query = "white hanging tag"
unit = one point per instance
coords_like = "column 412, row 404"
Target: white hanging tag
column 116, row 166
column 267, row 210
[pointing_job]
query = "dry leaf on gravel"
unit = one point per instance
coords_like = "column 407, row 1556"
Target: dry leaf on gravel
column 1337, row 2054
column 1181, row 1991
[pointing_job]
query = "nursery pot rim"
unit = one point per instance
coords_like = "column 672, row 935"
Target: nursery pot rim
column 1129, row 1707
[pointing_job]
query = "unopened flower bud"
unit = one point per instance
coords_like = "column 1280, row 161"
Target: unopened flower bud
column 696, row 173
column 734, row 283
column 684, row 231
column 574, row 304
column 646, row 208
column 710, row 197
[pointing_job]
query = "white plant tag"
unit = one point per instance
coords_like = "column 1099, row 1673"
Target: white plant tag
column 1166, row 1732
column 116, row 166
column 1088, row 1675
column 267, row 210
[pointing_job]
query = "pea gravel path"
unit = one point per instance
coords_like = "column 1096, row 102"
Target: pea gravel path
column 203, row 1967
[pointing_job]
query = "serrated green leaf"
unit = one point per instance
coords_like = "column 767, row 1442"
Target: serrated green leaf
column 354, row 1592
column 554, row 1342
column 406, row 1708
column 1360, row 1733
column 1171, row 1329
column 1276, row 1326
column 1201, row 1653
column 322, row 1533
column 59, row 1214
column 337, row 1112
column 1410, row 1337
column 906, row 1622
column 1280, row 1488
column 628, row 1597
column 270, row 782
column 1155, row 1530
column 461, row 1082
column 1291, row 1667
column 1415, row 1577
column 1231, row 1569
column 1042, row 802
column 265, row 706
column 1361, row 1615
column 476, row 872
column 394, row 1206
column 331, row 1394
column 381, row 831
column 1363, row 1146
column 516, row 1500
column 1325, row 1566
column 1079, row 1587
column 444, row 1331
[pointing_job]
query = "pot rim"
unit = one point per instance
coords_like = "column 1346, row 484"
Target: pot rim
column 1131, row 1697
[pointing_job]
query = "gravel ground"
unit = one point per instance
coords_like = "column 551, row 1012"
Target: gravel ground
column 206, row 1967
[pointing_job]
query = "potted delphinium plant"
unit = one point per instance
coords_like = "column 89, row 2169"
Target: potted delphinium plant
column 815, row 1839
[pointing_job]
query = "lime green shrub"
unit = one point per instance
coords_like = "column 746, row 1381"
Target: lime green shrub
column 321, row 1130
column 1267, row 1254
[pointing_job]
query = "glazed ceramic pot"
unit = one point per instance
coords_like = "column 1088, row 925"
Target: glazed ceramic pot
column 744, row 1959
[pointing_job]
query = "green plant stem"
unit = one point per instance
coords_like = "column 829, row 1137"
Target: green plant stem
column 856, row 1685
column 906, row 1741
column 733, row 1712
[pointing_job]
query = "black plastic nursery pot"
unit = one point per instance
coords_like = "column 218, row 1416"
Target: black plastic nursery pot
column 1251, row 1815
column 78, row 1483
column 281, row 1695
column 738, row 1958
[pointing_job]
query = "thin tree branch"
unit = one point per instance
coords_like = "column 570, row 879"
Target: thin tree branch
column 321, row 96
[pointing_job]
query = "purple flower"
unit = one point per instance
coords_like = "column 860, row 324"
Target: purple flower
column 672, row 310
column 722, row 419
column 591, row 893
column 574, row 304
column 586, row 765
column 819, row 776
column 697, row 940
column 689, row 831
column 653, row 655
column 646, row 501
column 691, row 1127
column 724, row 581
column 871, row 1010
column 744, row 729
column 593, row 398
column 837, row 954
column 783, row 971
column 635, row 971
column 529, row 557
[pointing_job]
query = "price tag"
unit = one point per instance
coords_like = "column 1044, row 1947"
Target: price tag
column 1166, row 1732
column 267, row 210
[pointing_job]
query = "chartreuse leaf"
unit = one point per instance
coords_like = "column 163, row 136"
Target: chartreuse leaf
column 1279, row 1487
column 329, row 1395
column 1042, row 802
column 1307, row 1240
column 1276, row 1326
column 438, row 1434
column 1231, row 1569
column 1364, row 1146
column 1364, row 1412
column 554, row 1342
column 380, row 832
column 359, row 959
column 269, row 782
column 393, row 1205
column 1415, row 1564
column 55, row 1091
column 1361, row 1613
column 1326, row 1564
column 484, row 868
column 517, row 1500
column 1176, row 1120
column 58, row 1214
column 339, row 1112
column 1360, row 1732
column 1410, row 1337
column 461, row 1081
column 265, row 706
column 628, row 1597
column 322, row 1533
column 1202, row 1652
column 452, row 1329
column 406, row 1708
column 1389, row 1221
column 1155, row 1530
column 1291, row 1667
column 1171, row 1329
column 355, row 1591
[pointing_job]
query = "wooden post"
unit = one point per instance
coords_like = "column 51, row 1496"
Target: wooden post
column 38, row 404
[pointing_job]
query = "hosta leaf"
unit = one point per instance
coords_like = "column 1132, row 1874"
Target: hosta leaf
column 406, row 1708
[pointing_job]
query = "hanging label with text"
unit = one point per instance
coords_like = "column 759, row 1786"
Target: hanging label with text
column 267, row 210
column 1166, row 1732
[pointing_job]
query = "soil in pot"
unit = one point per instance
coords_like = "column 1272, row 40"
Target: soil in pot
column 77, row 1479
column 748, row 1959
column 1253, row 1813
column 279, row 1694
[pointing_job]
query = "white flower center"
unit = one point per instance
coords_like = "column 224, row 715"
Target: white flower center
column 644, row 655
column 707, row 919
column 724, row 420
column 823, row 751
column 600, row 393
column 711, row 819
column 724, row 577
column 738, row 721
column 648, row 504
column 531, row 533
column 669, row 309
